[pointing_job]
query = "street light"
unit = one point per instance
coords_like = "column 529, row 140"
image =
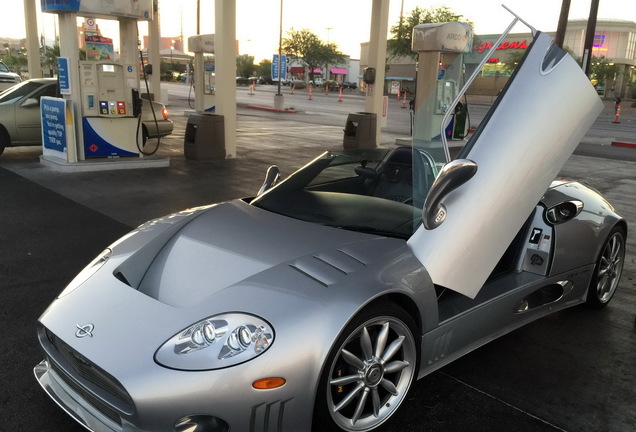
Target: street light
column 327, row 65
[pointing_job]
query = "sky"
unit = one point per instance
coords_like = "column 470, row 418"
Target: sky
column 345, row 23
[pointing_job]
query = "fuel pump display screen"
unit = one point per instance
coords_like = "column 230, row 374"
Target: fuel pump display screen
column 108, row 68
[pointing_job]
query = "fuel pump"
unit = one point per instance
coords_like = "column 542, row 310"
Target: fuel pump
column 103, row 94
column 440, row 48
column 111, row 108
column 204, row 72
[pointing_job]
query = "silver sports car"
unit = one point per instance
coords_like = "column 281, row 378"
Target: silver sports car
column 316, row 304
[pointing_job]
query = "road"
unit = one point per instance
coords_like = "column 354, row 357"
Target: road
column 572, row 371
column 327, row 110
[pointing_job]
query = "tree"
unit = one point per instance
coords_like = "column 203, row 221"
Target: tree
column 15, row 59
column 264, row 68
column 399, row 45
column 512, row 61
column 244, row 65
column 603, row 70
column 306, row 47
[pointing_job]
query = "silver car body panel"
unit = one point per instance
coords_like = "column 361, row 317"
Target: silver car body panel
column 292, row 285
column 515, row 158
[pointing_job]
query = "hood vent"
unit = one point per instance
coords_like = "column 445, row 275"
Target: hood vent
column 328, row 268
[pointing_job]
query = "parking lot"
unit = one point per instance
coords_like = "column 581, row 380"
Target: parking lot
column 572, row 371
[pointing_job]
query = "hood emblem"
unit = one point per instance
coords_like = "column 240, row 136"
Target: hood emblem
column 85, row 330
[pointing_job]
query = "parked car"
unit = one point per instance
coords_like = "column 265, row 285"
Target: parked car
column 265, row 80
column 293, row 80
column 332, row 85
column 317, row 303
column 20, row 120
column 242, row 81
column 349, row 85
column 7, row 78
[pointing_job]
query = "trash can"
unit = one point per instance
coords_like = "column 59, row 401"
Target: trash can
column 360, row 131
column 204, row 137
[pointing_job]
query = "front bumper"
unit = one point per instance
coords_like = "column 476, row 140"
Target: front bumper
column 166, row 400
column 164, row 127
column 70, row 401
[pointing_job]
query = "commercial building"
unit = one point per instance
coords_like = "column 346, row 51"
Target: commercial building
column 613, row 39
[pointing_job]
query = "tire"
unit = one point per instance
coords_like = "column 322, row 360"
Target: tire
column 365, row 380
column 608, row 269
column 144, row 135
column 5, row 140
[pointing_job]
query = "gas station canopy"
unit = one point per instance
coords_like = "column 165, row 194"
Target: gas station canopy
column 139, row 9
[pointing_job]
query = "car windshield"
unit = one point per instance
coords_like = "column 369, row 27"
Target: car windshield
column 374, row 190
column 18, row 91
column 382, row 191
column 4, row 68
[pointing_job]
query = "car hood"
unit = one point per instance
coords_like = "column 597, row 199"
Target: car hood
column 223, row 246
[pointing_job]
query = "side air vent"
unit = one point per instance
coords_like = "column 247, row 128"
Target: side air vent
column 564, row 211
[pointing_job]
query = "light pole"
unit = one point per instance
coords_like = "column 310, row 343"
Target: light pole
column 327, row 65
column 279, row 99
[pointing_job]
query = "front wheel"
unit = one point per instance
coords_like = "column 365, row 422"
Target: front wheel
column 608, row 269
column 5, row 140
column 368, row 372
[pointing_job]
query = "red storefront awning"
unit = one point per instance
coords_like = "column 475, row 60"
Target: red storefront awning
column 296, row 69
column 338, row 71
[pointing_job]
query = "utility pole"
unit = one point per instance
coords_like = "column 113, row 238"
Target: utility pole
column 589, row 37
column 279, row 99
column 563, row 23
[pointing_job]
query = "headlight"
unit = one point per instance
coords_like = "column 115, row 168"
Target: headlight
column 217, row 342
column 88, row 271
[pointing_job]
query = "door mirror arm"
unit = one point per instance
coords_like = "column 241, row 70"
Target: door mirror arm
column 453, row 175
column 272, row 177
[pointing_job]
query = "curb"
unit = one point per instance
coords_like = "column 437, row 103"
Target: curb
column 290, row 111
column 623, row 144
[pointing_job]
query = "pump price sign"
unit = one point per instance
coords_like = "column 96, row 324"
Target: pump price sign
column 53, row 112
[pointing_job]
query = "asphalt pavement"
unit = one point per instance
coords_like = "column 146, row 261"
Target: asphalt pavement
column 572, row 371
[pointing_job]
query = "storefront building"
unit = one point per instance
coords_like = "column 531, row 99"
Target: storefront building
column 613, row 39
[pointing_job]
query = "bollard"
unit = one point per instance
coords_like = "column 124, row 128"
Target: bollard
column 293, row 87
column 310, row 92
column 404, row 99
column 340, row 95
column 398, row 94
column 251, row 92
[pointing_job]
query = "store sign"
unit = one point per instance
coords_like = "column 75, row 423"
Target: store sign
column 504, row 46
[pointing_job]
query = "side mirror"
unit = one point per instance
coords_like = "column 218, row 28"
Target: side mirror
column 453, row 175
column 271, row 179
column 31, row 102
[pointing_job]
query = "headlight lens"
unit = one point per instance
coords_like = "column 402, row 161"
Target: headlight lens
column 88, row 271
column 217, row 342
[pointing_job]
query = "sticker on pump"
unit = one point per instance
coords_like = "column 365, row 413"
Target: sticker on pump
column 111, row 106
column 103, row 107
column 121, row 107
